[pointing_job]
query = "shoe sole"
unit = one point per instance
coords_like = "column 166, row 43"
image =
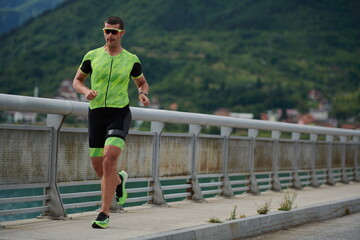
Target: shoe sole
column 98, row 225
column 123, row 199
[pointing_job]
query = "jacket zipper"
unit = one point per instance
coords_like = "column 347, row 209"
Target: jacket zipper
column 107, row 88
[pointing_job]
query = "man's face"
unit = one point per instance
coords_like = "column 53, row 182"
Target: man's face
column 113, row 38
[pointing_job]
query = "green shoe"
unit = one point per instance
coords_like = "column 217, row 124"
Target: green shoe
column 102, row 221
column 121, row 194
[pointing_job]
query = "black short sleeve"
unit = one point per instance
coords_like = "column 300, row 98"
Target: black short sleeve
column 136, row 70
column 86, row 67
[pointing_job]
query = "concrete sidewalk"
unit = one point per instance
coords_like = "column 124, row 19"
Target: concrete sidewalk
column 189, row 220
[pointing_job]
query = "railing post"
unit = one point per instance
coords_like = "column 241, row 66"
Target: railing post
column 344, row 178
column 158, row 197
column 55, row 204
column 197, row 195
column 275, row 160
column 296, row 182
column 356, row 158
column 254, row 189
column 314, row 181
column 227, row 190
column 330, row 177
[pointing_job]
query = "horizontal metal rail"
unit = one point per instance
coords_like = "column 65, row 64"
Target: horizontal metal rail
column 212, row 184
column 140, row 189
column 73, row 108
column 240, row 189
column 139, row 199
column 24, row 199
column 23, row 211
column 240, row 182
column 80, row 194
column 209, row 192
column 82, row 205
column 175, row 187
column 286, row 178
column 24, row 186
column 177, row 195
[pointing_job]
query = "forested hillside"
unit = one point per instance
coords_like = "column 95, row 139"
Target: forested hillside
column 14, row 13
column 244, row 55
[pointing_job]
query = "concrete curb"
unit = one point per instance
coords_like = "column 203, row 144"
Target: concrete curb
column 260, row 224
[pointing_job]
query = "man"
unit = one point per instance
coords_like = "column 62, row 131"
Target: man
column 111, row 68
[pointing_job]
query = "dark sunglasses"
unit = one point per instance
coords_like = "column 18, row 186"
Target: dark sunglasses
column 112, row 31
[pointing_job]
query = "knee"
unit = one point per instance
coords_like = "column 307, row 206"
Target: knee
column 110, row 157
column 109, row 163
column 111, row 154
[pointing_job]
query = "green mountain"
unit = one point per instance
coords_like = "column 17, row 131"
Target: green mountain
column 14, row 13
column 244, row 55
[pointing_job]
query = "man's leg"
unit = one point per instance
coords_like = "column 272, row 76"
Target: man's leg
column 110, row 179
column 97, row 163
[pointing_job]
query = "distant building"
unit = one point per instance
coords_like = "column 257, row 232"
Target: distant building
column 306, row 119
column 320, row 115
column 292, row 115
column 272, row 116
column 226, row 113
column 242, row 115
column 67, row 92
column 25, row 117
column 21, row 117
column 352, row 126
column 222, row 112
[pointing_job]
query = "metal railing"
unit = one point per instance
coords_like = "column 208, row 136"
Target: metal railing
column 52, row 162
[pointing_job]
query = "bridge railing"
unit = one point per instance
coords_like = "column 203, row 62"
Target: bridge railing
column 47, row 168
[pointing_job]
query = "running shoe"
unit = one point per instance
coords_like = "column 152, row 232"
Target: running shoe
column 102, row 221
column 121, row 194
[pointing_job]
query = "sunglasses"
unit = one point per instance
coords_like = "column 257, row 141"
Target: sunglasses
column 112, row 31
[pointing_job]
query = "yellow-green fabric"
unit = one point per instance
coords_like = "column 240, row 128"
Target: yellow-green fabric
column 115, row 141
column 96, row 152
column 110, row 77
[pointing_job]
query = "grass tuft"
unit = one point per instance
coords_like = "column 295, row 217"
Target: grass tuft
column 214, row 220
column 288, row 202
column 233, row 214
column 265, row 208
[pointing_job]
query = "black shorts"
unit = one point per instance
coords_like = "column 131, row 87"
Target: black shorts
column 108, row 122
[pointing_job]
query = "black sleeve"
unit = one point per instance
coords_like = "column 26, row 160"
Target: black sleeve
column 86, row 67
column 136, row 70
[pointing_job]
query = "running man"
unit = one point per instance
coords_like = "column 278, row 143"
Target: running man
column 110, row 68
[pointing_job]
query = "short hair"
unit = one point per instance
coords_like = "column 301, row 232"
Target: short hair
column 113, row 20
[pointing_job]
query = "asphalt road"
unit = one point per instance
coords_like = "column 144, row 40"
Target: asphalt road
column 344, row 228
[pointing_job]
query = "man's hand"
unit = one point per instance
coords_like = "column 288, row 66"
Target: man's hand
column 144, row 99
column 91, row 94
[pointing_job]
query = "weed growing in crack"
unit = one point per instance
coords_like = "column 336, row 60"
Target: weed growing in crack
column 265, row 208
column 288, row 202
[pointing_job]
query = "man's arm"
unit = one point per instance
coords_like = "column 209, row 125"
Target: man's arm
column 143, row 88
column 78, row 84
